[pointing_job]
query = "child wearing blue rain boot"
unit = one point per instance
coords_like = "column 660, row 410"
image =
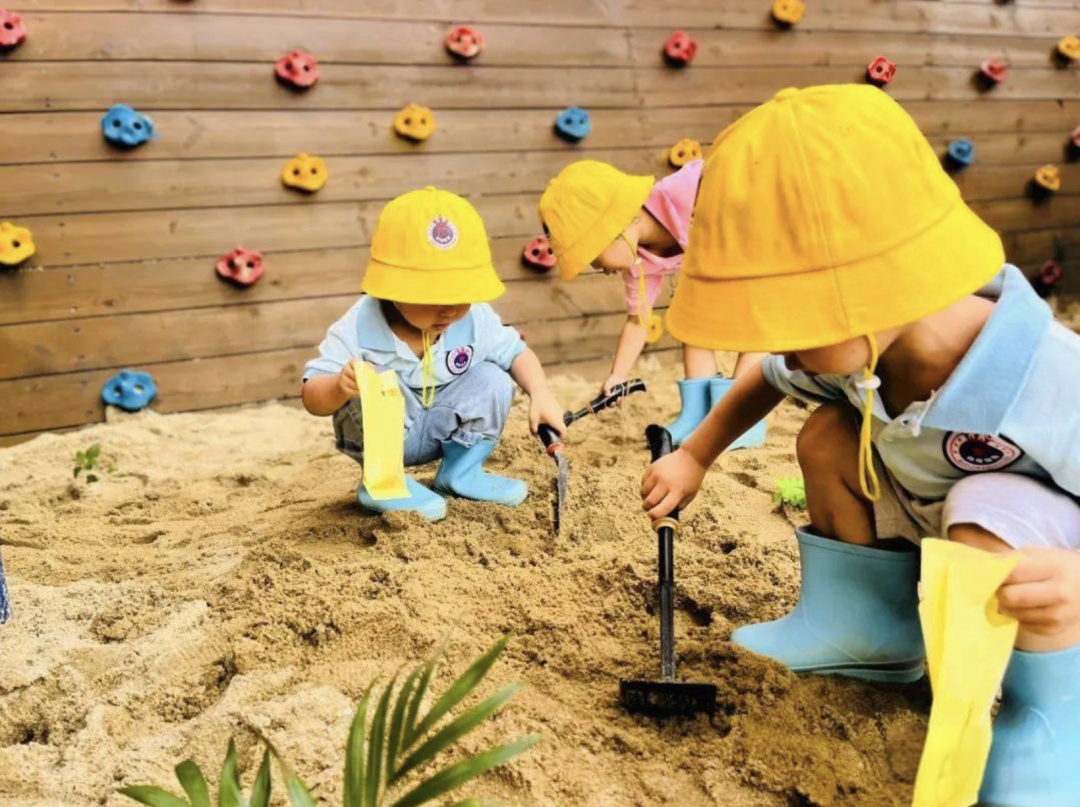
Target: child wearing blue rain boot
column 424, row 314
column 947, row 405
column 637, row 228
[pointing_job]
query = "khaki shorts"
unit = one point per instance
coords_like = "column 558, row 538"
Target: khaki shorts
column 1020, row 510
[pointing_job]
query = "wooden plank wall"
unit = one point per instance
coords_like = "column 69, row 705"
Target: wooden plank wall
column 127, row 241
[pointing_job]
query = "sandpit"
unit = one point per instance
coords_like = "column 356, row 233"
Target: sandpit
column 221, row 581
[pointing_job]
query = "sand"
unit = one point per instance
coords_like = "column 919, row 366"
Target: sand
column 222, row 581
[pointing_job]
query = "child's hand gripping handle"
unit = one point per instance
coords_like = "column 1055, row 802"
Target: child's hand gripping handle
column 550, row 438
column 659, row 440
column 601, row 402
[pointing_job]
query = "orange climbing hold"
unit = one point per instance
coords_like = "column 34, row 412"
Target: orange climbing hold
column 1069, row 47
column 415, row 122
column 1048, row 178
column 880, row 71
column 683, row 152
column 305, row 173
column 297, row 69
column 679, row 50
column 16, row 244
column 12, row 29
column 788, row 12
column 994, row 70
column 538, row 254
column 464, row 42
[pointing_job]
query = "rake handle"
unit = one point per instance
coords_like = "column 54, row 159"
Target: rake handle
column 602, row 401
column 660, row 445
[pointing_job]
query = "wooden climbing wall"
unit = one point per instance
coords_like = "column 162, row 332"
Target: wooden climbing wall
column 124, row 275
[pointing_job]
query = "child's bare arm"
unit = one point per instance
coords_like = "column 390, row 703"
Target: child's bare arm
column 631, row 343
column 326, row 394
column 527, row 371
column 674, row 480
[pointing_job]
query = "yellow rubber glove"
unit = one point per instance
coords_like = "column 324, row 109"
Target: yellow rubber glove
column 383, row 411
column 968, row 645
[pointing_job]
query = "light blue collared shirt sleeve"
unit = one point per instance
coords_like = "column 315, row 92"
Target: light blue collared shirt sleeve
column 338, row 347
column 501, row 343
column 1045, row 420
column 816, row 389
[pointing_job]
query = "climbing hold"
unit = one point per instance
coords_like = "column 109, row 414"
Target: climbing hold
column 297, row 69
column 241, row 267
column 16, row 244
column 415, row 122
column 1074, row 141
column 1048, row 178
column 683, row 152
column 880, row 71
column 1047, row 277
column 786, row 13
column 538, row 254
column 305, row 173
column 573, row 123
column 654, row 330
column 12, row 29
column 464, row 42
column 123, row 126
column 679, row 49
column 961, row 152
column 993, row 70
column 1069, row 47
column 131, row 390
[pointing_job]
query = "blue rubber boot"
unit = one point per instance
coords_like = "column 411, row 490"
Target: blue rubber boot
column 427, row 503
column 1033, row 760
column 857, row 615
column 755, row 435
column 461, row 474
column 694, row 394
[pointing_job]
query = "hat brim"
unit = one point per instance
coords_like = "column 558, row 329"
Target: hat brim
column 473, row 284
column 953, row 258
column 616, row 218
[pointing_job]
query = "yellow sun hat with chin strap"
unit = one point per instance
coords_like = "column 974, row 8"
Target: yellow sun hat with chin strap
column 824, row 215
column 430, row 247
column 586, row 207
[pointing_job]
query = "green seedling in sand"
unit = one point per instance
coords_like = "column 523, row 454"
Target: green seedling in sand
column 88, row 461
column 791, row 492
column 381, row 754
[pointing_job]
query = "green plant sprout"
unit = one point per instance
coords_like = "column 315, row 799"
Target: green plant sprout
column 382, row 754
column 87, row 461
column 791, row 492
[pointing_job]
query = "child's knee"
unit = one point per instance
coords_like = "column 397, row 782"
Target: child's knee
column 489, row 379
column 822, row 439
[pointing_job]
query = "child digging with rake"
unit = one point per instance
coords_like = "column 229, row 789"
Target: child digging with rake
column 947, row 398
column 424, row 314
column 636, row 227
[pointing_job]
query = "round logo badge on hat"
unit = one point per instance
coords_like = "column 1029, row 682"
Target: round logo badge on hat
column 459, row 359
column 975, row 453
column 441, row 233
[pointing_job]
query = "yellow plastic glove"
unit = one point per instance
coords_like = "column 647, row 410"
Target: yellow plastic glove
column 383, row 411
column 968, row 645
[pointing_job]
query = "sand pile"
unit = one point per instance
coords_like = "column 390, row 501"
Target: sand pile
column 221, row 580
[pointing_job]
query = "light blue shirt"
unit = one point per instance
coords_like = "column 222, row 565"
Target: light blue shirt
column 363, row 333
column 1013, row 402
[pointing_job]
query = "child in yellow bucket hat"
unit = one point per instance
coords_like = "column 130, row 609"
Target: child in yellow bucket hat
column 635, row 227
column 424, row 314
column 835, row 241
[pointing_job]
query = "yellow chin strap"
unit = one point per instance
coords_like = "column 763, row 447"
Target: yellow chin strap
column 427, row 373
column 869, row 383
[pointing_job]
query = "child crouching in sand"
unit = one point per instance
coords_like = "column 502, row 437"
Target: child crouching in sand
column 947, row 405
column 636, row 227
column 424, row 315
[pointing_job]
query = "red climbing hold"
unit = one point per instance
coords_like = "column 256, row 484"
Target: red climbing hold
column 679, row 50
column 464, row 42
column 880, row 71
column 538, row 254
column 241, row 267
column 297, row 69
column 12, row 29
column 1076, row 138
column 994, row 70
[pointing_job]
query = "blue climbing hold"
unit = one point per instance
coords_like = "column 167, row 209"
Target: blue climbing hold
column 129, row 389
column 573, row 123
column 962, row 152
column 124, row 126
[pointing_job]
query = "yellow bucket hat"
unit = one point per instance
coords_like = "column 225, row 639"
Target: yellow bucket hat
column 586, row 207
column 430, row 247
column 824, row 215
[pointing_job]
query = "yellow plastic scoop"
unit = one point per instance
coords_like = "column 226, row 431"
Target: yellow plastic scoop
column 968, row 645
column 383, row 412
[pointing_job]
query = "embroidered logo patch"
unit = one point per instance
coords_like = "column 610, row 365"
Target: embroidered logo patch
column 459, row 359
column 974, row 453
column 441, row 233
